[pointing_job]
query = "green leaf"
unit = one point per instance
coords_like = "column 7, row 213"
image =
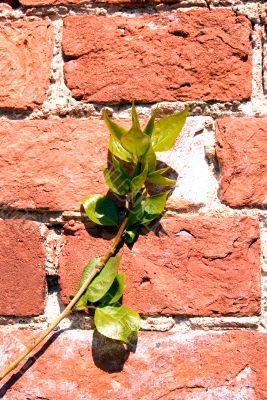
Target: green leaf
column 135, row 120
column 103, row 280
column 81, row 304
column 154, row 206
column 116, row 130
column 117, row 180
column 150, row 125
column 157, row 179
column 138, row 182
column 88, row 269
column 167, row 129
column 117, row 322
column 130, row 234
column 136, row 142
column 150, row 159
column 101, row 209
column 136, row 212
column 115, row 292
column 118, row 150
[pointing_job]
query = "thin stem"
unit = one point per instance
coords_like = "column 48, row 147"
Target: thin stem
column 70, row 306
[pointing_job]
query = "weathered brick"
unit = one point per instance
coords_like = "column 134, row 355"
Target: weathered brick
column 242, row 153
column 178, row 365
column 108, row 2
column 51, row 164
column 22, row 268
column 193, row 55
column 26, row 54
column 203, row 266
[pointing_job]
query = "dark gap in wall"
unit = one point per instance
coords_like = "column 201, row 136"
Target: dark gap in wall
column 52, row 283
column 13, row 3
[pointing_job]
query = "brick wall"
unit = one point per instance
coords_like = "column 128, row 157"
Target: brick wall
column 200, row 282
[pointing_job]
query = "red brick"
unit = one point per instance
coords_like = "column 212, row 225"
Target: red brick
column 26, row 54
column 203, row 266
column 53, row 163
column 178, row 365
column 193, row 55
column 22, row 268
column 242, row 153
column 108, row 2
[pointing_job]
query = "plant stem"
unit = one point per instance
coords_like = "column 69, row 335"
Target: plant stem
column 70, row 306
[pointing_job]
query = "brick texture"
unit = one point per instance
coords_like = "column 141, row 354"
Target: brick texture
column 180, row 366
column 107, row 2
column 53, row 164
column 26, row 54
column 193, row 55
column 22, row 268
column 203, row 266
column 242, row 153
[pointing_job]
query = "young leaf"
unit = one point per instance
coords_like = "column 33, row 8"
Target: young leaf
column 116, row 130
column 136, row 212
column 117, row 150
column 117, row 179
column 117, row 322
column 138, row 182
column 103, row 280
column 167, row 129
column 150, row 125
column 150, row 159
column 136, row 142
column 130, row 234
column 101, row 210
column 154, row 206
column 81, row 304
column 135, row 120
column 115, row 292
column 157, row 179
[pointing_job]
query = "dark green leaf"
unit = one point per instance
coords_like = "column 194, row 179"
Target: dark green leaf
column 138, row 182
column 154, row 206
column 150, row 125
column 136, row 212
column 103, row 280
column 101, row 209
column 115, row 292
column 167, row 129
column 117, row 322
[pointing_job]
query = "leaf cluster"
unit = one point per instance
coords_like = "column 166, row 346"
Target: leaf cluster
column 131, row 169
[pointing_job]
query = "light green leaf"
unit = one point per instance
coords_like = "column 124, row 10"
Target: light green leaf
column 117, row 180
column 150, row 125
column 116, row 130
column 115, row 292
column 138, row 182
column 81, row 304
column 103, row 280
column 118, row 150
column 167, row 129
column 136, row 142
column 130, row 234
column 150, row 159
column 154, row 206
column 117, row 322
column 88, row 269
column 157, row 179
column 101, row 209
column 135, row 120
